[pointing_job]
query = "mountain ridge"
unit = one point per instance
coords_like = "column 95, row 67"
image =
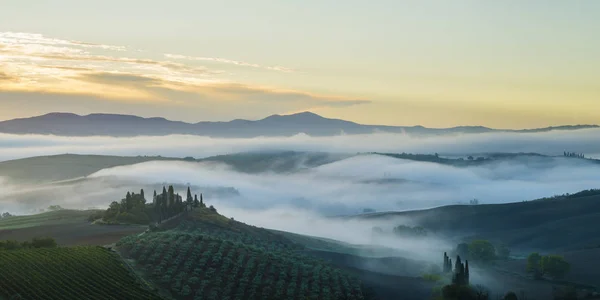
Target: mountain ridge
column 123, row 125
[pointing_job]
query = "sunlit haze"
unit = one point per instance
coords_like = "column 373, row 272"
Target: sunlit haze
column 509, row 64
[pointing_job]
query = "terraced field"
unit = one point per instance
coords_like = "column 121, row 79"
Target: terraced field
column 68, row 273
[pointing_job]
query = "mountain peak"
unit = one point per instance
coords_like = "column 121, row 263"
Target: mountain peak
column 306, row 115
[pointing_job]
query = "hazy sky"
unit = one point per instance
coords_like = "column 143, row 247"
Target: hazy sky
column 508, row 64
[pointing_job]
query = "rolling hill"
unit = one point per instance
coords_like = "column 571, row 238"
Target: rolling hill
column 43, row 169
column 553, row 224
column 208, row 256
column 68, row 124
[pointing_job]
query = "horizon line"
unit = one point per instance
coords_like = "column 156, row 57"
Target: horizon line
column 298, row 113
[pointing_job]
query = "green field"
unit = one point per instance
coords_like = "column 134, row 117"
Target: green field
column 67, row 227
column 59, row 217
column 68, row 273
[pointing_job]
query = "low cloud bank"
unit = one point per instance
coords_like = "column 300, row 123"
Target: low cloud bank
column 551, row 143
column 343, row 187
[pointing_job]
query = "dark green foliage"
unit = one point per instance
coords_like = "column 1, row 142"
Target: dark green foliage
column 482, row 251
column 447, row 266
column 196, row 202
column 554, row 266
column 67, row 273
column 222, row 264
column 460, row 275
column 40, row 242
column 212, row 208
column 534, row 265
column 131, row 209
column 407, row 231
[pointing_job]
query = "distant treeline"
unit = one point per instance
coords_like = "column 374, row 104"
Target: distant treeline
column 584, row 193
column 573, row 154
column 45, row 242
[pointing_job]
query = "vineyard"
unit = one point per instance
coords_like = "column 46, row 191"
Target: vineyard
column 67, row 273
column 193, row 263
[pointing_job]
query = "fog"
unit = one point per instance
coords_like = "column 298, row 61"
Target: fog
column 303, row 201
column 550, row 143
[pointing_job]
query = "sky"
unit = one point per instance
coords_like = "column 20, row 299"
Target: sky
column 502, row 64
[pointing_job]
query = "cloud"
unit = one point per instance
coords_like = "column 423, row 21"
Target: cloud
column 57, row 67
column 229, row 61
column 21, row 38
column 6, row 77
column 549, row 143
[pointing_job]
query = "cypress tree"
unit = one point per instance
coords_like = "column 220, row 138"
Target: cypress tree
column 466, row 271
column 196, row 202
column 202, row 201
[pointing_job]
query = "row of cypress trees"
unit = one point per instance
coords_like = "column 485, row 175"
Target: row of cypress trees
column 169, row 204
column 460, row 274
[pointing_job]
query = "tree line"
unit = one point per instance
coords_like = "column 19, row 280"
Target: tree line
column 573, row 154
column 41, row 242
column 135, row 209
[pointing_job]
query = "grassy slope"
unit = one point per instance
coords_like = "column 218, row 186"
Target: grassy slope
column 277, row 161
column 62, row 167
column 552, row 225
column 68, row 273
column 210, row 256
column 68, row 227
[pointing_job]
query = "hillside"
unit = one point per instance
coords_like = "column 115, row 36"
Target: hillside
column 209, row 256
column 67, row 227
column 63, row 167
column 67, row 124
column 68, row 273
column 275, row 161
column 554, row 224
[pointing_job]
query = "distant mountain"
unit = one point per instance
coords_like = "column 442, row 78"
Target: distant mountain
column 68, row 124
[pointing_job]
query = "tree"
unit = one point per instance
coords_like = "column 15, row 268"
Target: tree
column 171, row 198
column 555, row 266
column 202, row 201
column 143, row 197
column 212, row 208
column 189, row 200
column 534, row 266
column 460, row 276
column 481, row 251
column 196, row 202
